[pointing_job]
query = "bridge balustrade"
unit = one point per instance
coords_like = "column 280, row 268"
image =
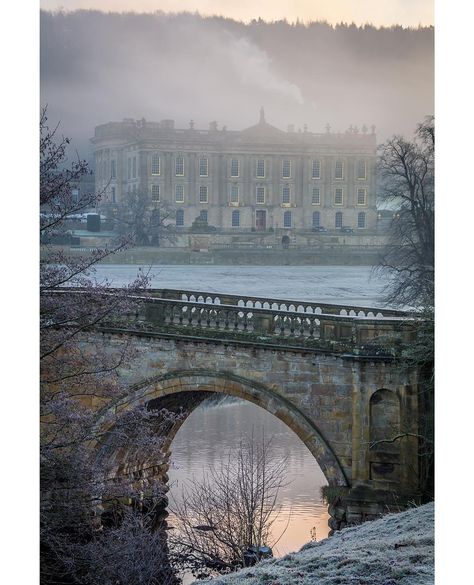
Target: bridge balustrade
column 290, row 305
column 266, row 324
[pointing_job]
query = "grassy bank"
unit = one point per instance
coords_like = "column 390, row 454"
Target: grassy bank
column 398, row 549
column 338, row 256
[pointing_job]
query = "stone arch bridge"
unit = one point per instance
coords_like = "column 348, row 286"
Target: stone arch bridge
column 332, row 373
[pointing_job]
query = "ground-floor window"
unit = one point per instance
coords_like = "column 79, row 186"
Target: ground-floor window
column 338, row 219
column 287, row 219
column 203, row 215
column 180, row 217
column 361, row 220
column 316, row 219
column 236, row 218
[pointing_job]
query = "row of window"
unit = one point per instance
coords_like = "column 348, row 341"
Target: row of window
column 287, row 219
column 260, row 195
column 260, row 168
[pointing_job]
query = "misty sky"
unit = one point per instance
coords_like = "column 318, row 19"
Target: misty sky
column 98, row 67
column 377, row 12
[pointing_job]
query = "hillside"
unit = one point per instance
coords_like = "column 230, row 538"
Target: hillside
column 398, row 549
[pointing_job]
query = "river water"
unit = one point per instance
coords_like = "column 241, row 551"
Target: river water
column 212, row 430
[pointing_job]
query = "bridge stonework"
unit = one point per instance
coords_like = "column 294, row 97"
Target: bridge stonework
column 326, row 371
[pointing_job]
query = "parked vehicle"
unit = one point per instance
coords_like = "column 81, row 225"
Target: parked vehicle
column 319, row 228
column 345, row 229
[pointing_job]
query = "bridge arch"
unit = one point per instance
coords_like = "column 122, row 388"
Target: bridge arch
column 190, row 388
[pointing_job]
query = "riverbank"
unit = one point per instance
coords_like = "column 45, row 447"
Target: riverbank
column 327, row 256
column 397, row 549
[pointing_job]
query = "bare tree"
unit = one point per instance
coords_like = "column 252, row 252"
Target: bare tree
column 230, row 513
column 88, row 471
column 406, row 171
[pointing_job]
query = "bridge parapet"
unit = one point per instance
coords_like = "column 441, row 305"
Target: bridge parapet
column 334, row 332
column 293, row 305
column 269, row 322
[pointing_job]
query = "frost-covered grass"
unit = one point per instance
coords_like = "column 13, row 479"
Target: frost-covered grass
column 398, row 549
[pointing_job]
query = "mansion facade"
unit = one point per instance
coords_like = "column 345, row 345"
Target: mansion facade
column 261, row 178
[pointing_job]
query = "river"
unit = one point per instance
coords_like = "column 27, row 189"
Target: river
column 210, row 431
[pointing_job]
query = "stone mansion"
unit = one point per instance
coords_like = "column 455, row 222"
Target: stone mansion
column 260, row 178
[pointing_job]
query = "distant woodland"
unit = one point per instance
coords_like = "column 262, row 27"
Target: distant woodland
column 97, row 67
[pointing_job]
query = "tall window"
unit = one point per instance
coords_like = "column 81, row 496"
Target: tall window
column 287, row 219
column 180, row 217
column 179, row 165
column 234, row 167
column 155, row 192
column 285, row 195
column 339, row 170
column 316, row 169
column 129, row 168
column 260, row 195
column 134, row 167
column 236, row 218
column 203, row 167
column 316, row 196
column 179, row 193
column 260, row 168
column 113, row 194
column 113, row 169
column 338, row 219
column 361, row 169
column 234, row 194
column 155, row 164
column 316, row 219
column 361, row 220
column 203, row 194
column 361, row 196
column 338, row 196
column 203, row 215
column 286, row 169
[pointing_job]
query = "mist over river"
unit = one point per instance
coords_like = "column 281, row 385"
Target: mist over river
column 211, row 430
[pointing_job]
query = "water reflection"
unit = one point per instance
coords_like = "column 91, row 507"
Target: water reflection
column 209, row 433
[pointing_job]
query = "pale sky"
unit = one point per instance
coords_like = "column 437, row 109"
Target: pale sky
column 377, row 12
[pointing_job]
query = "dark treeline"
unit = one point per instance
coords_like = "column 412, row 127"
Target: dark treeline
column 97, row 67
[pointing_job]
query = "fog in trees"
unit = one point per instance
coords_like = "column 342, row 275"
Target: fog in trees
column 98, row 67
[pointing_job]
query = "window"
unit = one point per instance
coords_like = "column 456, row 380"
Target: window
column 338, row 196
column 129, row 168
column 286, row 169
column 234, row 167
column 179, row 193
column 203, row 215
column 203, row 194
column 234, row 194
column 203, row 167
column 260, row 170
column 113, row 169
column 285, row 195
column 134, row 167
column 287, row 219
column 180, row 218
column 236, row 218
column 260, row 195
column 316, row 219
column 316, row 169
column 155, row 192
column 113, row 194
column 361, row 169
column 179, row 165
column 361, row 196
column 339, row 170
column 155, row 165
column 361, row 220
column 316, row 196
column 338, row 219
